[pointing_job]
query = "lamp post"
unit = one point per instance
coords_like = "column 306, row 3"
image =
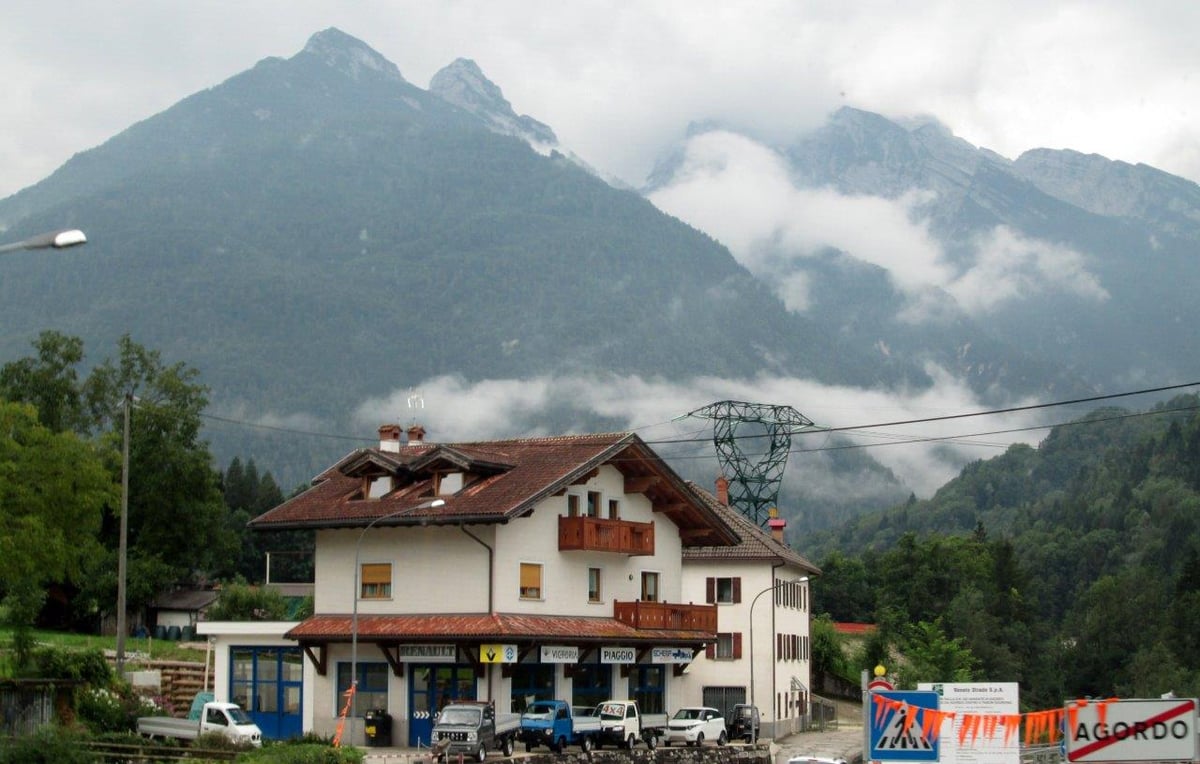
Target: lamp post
column 357, row 592
column 72, row 237
column 753, row 602
column 123, row 544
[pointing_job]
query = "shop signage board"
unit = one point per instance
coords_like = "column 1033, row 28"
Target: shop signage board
column 671, row 655
column 497, row 653
column 1132, row 730
column 609, row 654
column 560, row 654
column 426, row 653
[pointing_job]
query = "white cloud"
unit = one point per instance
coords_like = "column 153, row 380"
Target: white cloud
column 457, row 410
column 741, row 193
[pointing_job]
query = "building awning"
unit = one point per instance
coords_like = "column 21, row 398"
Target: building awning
column 508, row 627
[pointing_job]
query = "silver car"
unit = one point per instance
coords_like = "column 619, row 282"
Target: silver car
column 694, row 725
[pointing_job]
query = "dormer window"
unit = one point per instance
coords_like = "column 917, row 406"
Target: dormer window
column 379, row 487
column 449, row 483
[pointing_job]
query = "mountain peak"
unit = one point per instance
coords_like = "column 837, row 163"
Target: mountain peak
column 349, row 55
column 464, row 84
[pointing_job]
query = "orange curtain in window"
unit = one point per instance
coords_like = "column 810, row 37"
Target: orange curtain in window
column 531, row 576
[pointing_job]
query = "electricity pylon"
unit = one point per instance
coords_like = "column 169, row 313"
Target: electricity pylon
column 753, row 485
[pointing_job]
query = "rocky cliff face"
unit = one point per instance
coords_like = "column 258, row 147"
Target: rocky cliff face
column 463, row 84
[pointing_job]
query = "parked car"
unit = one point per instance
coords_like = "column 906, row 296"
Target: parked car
column 622, row 724
column 553, row 724
column 816, row 760
column 743, row 722
column 694, row 725
column 227, row 719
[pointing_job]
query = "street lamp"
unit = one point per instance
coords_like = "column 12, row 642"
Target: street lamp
column 123, row 544
column 753, row 705
column 72, row 237
column 354, row 616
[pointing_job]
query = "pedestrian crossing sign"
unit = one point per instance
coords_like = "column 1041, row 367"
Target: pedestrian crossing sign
column 895, row 736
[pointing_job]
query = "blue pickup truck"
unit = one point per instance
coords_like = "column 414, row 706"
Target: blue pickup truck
column 553, row 724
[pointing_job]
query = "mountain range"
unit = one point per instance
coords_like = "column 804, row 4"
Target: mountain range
column 317, row 232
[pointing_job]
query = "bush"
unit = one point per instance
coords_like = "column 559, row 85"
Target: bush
column 49, row 745
column 103, row 710
column 88, row 666
column 301, row 753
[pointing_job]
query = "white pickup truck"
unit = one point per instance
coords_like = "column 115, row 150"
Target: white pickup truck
column 622, row 724
column 227, row 719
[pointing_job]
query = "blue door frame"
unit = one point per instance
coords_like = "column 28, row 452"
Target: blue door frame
column 268, row 682
column 431, row 686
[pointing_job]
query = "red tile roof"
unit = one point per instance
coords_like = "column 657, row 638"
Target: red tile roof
column 753, row 542
column 485, row 626
column 511, row 477
column 853, row 629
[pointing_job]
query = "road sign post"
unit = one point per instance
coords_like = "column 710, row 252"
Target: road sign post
column 1132, row 730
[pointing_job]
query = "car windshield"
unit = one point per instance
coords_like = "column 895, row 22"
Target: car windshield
column 612, row 711
column 689, row 713
column 238, row 715
column 539, row 711
column 459, row 715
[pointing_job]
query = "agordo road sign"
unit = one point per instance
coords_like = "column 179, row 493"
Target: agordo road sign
column 1132, row 730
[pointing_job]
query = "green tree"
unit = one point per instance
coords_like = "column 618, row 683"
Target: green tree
column 932, row 656
column 828, row 657
column 53, row 490
column 176, row 520
column 242, row 602
column 50, row 382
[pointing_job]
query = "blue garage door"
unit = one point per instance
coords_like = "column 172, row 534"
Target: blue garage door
column 269, row 683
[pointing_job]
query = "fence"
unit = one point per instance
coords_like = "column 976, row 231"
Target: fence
column 27, row 705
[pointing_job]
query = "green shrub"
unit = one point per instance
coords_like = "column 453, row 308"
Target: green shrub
column 50, row 745
column 103, row 709
column 301, row 753
column 81, row 665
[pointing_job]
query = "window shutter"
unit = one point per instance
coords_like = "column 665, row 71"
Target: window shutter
column 710, row 650
column 737, row 644
column 737, row 589
column 377, row 573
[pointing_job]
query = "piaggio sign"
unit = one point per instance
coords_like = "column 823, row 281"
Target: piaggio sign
column 1132, row 730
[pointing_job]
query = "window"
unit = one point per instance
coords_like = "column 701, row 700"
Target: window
column 728, row 647
column 726, row 591
column 649, row 587
column 593, row 503
column 372, row 686
column 614, row 509
column 379, row 486
column 531, row 581
column 572, row 505
column 593, row 584
column 376, row 580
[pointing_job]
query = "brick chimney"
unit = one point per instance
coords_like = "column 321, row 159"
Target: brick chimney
column 776, row 524
column 416, row 434
column 723, row 490
column 389, row 438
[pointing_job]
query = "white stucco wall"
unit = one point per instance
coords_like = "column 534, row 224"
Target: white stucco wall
column 224, row 635
column 770, row 676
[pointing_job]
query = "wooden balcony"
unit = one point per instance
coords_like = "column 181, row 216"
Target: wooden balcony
column 594, row 534
column 662, row 615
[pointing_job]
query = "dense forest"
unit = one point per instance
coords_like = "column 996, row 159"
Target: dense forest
column 1072, row 568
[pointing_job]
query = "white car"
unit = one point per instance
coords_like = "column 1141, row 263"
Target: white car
column 816, row 760
column 696, row 724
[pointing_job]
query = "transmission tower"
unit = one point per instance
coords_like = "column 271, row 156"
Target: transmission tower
column 753, row 485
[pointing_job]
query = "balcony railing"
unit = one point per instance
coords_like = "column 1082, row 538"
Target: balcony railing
column 595, row 534
column 662, row 615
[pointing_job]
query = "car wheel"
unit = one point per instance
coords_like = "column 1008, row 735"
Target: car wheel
column 630, row 741
column 481, row 754
column 722, row 740
column 506, row 747
column 651, row 742
column 585, row 745
column 666, row 743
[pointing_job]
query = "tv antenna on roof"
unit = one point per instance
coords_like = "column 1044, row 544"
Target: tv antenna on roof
column 753, row 485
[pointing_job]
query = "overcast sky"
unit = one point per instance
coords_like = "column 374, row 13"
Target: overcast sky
column 620, row 81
